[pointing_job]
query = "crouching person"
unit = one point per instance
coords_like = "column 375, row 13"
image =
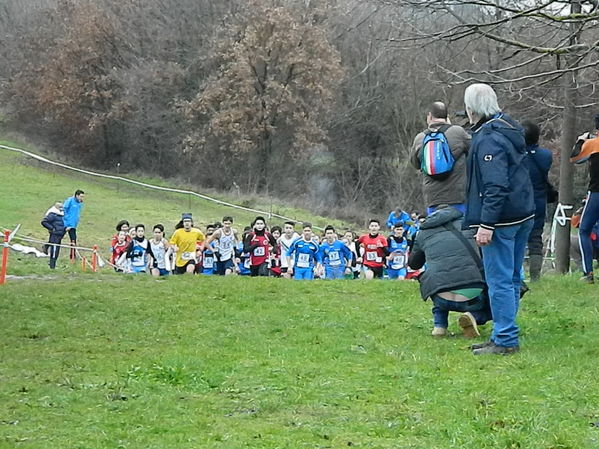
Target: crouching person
column 453, row 275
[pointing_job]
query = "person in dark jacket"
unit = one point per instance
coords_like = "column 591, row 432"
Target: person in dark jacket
column 539, row 162
column 453, row 277
column 500, row 205
column 54, row 222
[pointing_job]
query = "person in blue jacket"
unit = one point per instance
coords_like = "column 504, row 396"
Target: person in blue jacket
column 72, row 213
column 539, row 162
column 54, row 222
column 500, row 205
column 305, row 253
column 335, row 256
column 398, row 216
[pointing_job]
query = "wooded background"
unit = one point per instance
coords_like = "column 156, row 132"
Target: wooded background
column 312, row 101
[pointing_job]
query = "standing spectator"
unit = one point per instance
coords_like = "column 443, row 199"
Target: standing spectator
column 500, row 204
column 72, row 212
column 54, row 222
column 590, row 214
column 453, row 277
column 452, row 189
column 398, row 216
column 538, row 162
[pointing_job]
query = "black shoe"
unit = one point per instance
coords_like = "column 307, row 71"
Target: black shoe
column 494, row 349
column 523, row 289
column 588, row 278
column 481, row 345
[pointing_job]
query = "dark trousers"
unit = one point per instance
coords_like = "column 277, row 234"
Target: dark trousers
column 54, row 250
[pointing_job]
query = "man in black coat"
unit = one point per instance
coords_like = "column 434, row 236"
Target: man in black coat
column 453, row 277
column 54, row 222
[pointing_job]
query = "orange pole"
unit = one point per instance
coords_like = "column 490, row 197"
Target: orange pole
column 95, row 259
column 83, row 263
column 4, row 258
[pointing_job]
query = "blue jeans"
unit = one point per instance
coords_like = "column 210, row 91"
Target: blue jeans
column 479, row 308
column 502, row 259
column 590, row 215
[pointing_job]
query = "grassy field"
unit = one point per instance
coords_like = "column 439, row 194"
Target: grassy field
column 114, row 361
column 129, row 362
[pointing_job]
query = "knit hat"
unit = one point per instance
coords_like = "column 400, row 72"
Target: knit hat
column 186, row 216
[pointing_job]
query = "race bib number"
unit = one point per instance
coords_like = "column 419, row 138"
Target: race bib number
column 371, row 256
column 188, row 256
column 303, row 260
column 208, row 262
column 334, row 258
column 398, row 262
column 259, row 251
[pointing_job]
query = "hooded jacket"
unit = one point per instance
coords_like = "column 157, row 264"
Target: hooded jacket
column 499, row 191
column 54, row 222
column 449, row 263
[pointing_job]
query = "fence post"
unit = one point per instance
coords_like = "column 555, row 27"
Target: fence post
column 83, row 263
column 4, row 258
column 95, row 259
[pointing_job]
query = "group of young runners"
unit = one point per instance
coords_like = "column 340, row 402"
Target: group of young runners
column 263, row 251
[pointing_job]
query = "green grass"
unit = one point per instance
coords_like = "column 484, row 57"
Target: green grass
column 107, row 362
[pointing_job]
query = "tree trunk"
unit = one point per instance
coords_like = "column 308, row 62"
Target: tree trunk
column 566, row 179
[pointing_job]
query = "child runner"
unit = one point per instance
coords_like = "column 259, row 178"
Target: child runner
column 118, row 249
column 139, row 250
column 373, row 249
column 184, row 242
column 243, row 262
column 398, row 253
column 285, row 241
column 206, row 265
column 160, row 249
column 275, row 258
column 306, row 255
column 257, row 243
column 335, row 256
column 122, row 225
column 225, row 240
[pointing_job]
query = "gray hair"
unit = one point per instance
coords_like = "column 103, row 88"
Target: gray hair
column 481, row 99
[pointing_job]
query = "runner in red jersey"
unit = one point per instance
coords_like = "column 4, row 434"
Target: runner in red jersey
column 258, row 244
column 373, row 248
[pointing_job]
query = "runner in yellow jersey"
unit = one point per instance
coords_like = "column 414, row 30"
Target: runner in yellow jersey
column 184, row 243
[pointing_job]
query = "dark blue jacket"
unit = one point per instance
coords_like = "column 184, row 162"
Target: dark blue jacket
column 539, row 162
column 499, row 191
column 54, row 222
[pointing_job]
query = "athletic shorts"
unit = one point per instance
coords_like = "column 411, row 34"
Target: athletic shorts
column 73, row 234
column 377, row 271
column 259, row 270
column 284, row 270
column 303, row 273
column 334, row 272
column 394, row 274
column 136, row 270
column 163, row 272
column 222, row 267
column 183, row 269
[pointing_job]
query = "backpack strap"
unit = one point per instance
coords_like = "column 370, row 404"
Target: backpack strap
column 441, row 129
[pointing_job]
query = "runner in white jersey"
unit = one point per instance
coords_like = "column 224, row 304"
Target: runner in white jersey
column 161, row 266
column 285, row 241
column 226, row 240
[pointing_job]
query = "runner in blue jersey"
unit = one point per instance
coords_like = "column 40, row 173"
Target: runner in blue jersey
column 243, row 259
column 305, row 255
column 334, row 255
column 398, row 253
column 208, row 259
column 139, row 251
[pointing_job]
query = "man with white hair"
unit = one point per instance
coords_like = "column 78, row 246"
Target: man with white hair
column 500, row 204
